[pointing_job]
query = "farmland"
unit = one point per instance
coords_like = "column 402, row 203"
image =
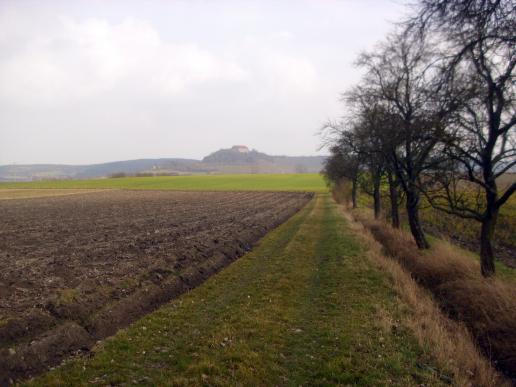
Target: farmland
column 465, row 232
column 303, row 308
column 120, row 284
column 26, row 193
column 254, row 182
column 75, row 268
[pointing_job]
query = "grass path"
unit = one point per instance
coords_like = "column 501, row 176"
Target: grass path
column 300, row 309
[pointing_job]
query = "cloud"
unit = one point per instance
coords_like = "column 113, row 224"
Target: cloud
column 93, row 80
column 88, row 58
column 290, row 74
column 92, row 57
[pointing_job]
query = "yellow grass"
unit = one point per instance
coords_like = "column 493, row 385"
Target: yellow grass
column 449, row 342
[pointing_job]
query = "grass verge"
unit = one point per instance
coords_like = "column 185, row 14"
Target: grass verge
column 300, row 309
column 450, row 342
column 487, row 307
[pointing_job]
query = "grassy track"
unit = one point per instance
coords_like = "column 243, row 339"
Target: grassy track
column 299, row 309
column 256, row 182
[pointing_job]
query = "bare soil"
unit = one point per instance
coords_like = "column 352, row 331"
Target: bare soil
column 74, row 269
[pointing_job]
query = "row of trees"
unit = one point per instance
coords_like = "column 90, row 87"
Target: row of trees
column 434, row 116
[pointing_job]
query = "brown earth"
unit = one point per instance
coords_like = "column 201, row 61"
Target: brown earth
column 74, row 269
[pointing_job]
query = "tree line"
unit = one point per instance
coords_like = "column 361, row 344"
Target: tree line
column 434, row 116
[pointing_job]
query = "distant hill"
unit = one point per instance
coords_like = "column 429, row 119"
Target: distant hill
column 58, row 171
column 240, row 159
column 237, row 159
column 237, row 155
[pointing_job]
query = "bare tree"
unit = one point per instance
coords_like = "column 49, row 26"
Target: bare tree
column 357, row 137
column 379, row 142
column 480, row 42
column 401, row 73
column 395, row 198
column 368, row 147
column 358, row 149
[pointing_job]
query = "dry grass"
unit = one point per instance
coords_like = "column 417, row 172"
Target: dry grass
column 487, row 307
column 431, row 270
column 449, row 342
column 341, row 192
column 11, row 193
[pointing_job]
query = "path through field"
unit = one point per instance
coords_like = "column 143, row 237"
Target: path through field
column 303, row 308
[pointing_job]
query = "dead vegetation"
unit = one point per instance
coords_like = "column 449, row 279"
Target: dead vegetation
column 450, row 342
column 487, row 307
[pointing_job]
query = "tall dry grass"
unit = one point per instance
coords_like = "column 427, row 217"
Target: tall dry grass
column 487, row 307
column 450, row 342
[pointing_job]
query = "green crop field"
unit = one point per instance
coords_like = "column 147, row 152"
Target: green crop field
column 253, row 182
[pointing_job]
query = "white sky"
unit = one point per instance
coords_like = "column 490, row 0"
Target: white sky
column 101, row 80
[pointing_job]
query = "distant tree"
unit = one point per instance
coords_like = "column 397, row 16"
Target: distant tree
column 355, row 144
column 343, row 163
column 301, row 168
column 118, row 175
column 367, row 145
column 376, row 141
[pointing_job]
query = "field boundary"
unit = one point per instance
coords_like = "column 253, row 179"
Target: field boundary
column 45, row 192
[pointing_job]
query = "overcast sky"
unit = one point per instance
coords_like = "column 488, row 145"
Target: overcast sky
column 93, row 81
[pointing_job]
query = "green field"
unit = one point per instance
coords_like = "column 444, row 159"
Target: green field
column 305, row 307
column 254, row 182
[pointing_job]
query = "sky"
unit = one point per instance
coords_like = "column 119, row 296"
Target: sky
column 100, row 80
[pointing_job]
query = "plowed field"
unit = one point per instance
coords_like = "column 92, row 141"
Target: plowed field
column 74, row 269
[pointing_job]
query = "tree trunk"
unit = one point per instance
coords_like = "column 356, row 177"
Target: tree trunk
column 490, row 217
column 413, row 218
column 376, row 197
column 487, row 266
column 488, row 224
column 393, row 195
column 354, row 193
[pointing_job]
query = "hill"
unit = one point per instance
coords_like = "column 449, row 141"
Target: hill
column 234, row 160
column 237, row 155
